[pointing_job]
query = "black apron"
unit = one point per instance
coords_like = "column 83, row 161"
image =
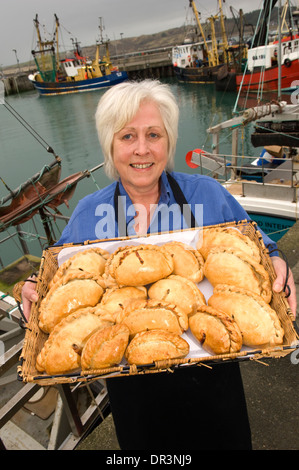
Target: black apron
column 190, row 408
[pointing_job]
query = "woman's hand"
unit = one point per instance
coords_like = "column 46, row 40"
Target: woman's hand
column 29, row 295
column 281, row 271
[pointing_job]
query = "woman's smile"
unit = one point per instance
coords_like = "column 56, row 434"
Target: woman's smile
column 141, row 166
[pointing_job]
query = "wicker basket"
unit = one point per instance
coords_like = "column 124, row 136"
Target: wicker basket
column 35, row 338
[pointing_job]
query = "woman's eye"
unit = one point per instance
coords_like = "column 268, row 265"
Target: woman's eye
column 127, row 136
column 153, row 135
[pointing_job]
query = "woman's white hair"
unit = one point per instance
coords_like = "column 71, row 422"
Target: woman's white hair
column 120, row 104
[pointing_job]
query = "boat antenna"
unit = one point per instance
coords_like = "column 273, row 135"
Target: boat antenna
column 279, row 52
column 30, row 129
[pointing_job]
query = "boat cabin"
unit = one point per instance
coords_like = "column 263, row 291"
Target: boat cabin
column 188, row 55
column 266, row 56
column 71, row 67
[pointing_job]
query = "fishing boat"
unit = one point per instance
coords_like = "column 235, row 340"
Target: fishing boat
column 200, row 61
column 71, row 75
column 272, row 63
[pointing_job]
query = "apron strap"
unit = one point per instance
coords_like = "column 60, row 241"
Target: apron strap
column 181, row 200
column 120, row 218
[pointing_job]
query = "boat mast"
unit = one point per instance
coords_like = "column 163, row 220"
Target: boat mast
column 224, row 36
column 211, row 57
column 56, row 36
column 279, row 52
column 39, row 39
column 41, row 44
column 214, row 40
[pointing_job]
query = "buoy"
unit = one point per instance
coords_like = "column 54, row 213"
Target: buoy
column 189, row 157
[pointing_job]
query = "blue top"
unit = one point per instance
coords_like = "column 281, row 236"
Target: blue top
column 94, row 217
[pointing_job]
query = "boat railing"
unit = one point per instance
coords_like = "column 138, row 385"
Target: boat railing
column 229, row 169
column 22, row 236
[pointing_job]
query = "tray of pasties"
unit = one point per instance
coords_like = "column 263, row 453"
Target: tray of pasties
column 138, row 305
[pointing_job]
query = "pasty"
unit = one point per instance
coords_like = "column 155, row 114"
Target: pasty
column 153, row 314
column 233, row 267
column 258, row 322
column 117, row 298
column 92, row 260
column 155, row 345
column 58, row 354
column 105, row 347
column 188, row 262
column 77, row 289
column 179, row 291
column 217, row 331
column 228, row 237
column 139, row 265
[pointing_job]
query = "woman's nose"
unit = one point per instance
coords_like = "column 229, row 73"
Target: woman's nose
column 141, row 147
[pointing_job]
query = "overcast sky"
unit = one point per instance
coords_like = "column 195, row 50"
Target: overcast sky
column 80, row 19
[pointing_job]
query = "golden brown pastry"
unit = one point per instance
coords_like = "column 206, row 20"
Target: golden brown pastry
column 188, row 262
column 233, row 267
column 139, row 265
column 214, row 237
column 58, row 354
column 105, row 347
column 155, row 345
column 258, row 322
column 117, row 298
column 179, row 291
column 153, row 314
column 92, row 260
column 77, row 289
column 217, row 331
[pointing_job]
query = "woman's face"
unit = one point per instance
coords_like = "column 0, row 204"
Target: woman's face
column 140, row 150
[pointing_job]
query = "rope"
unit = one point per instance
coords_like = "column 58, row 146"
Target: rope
column 246, row 67
column 29, row 128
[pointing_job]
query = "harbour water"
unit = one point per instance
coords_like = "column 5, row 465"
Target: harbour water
column 66, row 123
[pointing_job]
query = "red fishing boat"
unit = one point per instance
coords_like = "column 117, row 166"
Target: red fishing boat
column 263, row 67
column 272, row 63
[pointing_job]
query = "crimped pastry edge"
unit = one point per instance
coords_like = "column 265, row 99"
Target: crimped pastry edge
column 200, row 298
column 66, row 264
column 224, row 288
column 115, row 259
column 258, row 268
column 147, row 304
column 79, row 313
column 230, row 231
column 228, row 322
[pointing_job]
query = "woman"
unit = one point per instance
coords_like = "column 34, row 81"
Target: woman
column 194, row 407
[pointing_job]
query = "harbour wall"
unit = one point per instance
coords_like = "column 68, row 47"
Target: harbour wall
column 139, row 65
column 17, row 83
column 149, row 64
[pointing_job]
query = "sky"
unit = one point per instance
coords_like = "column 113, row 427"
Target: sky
column 80, row 19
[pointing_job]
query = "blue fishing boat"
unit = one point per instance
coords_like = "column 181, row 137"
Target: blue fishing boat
column 71, row 75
